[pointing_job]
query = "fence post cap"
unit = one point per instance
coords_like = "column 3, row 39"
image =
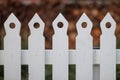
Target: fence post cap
column 40, row 24
column 60, row 18
column 108, row 19
column 82, row 19
column 12, row 19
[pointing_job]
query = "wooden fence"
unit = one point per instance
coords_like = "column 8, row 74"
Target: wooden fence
column 84, row 57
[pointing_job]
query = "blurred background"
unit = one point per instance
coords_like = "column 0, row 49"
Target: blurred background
column 48, row 10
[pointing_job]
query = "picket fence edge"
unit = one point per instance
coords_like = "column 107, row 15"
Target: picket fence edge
column 49, row 56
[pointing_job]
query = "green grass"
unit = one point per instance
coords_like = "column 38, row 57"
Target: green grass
column 48, row 72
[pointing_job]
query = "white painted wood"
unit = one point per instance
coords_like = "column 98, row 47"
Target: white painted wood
column 12, row 59
column 84, row 55
column 49, row 57
column 108, row 49
column 60, row 49
column 72, row 59
column 12, row 49
column 36, row 50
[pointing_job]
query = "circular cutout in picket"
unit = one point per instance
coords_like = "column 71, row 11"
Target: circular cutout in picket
column 84, row 25
column 60, row 24
column 12, row 25
column 36, row 25
column 108, row 25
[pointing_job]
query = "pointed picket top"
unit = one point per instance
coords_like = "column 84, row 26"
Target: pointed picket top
column 60, row 18
column 87, row 29
column 106, row 19
column 40, row 25
column 12, row 19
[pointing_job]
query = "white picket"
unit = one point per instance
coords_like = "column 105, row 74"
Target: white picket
column 36, row 50
column 84, row 55
column 108, row 49
column 12, row 49
column 60, row 49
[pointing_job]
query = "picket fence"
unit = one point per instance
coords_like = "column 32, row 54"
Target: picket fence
column 90, row 64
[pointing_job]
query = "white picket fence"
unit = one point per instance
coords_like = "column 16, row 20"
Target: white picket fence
column 90, row 64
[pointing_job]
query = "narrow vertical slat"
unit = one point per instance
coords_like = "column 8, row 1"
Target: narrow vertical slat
column 60, row 49
column 96, row 72
column 108, row 50
column 12, row 49
column 96, row 67
column 84, row 55
column 36, row 49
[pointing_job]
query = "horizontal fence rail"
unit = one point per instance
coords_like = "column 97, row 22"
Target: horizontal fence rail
column 49, row 57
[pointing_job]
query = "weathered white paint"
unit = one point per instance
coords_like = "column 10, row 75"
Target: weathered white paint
column 36, row 50
column 84, row 56
column 12, row 49
column 60, row 49
column 108, row 49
